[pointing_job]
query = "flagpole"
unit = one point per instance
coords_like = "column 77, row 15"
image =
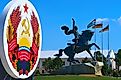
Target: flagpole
column 102, row 43
column 108, row 41
column 105, row 29
column 102, row 46
column 95, row 42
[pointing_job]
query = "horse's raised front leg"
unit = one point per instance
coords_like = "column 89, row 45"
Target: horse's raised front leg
column 91, row 54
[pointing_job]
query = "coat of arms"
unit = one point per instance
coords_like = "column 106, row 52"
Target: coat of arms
column 22, row 38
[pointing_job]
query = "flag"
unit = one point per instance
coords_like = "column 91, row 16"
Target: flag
column 105, row 29
column 92, row 23
column 97, row 26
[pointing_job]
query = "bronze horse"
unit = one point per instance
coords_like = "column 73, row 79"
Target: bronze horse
column 79, row 46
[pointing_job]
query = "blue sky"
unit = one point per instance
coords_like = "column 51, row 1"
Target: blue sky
column 55, row 13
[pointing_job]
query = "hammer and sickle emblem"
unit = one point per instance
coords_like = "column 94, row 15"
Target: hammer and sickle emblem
column 26, row 31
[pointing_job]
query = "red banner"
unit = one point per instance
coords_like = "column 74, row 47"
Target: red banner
column 34, row 48
column 12, row 44
column 24, row 55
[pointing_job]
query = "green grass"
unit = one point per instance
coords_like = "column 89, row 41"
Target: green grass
column 74, row 77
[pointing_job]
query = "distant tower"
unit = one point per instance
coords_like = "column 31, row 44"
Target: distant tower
column 111, row 60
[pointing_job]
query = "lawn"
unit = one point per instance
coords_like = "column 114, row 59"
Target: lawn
column 74, row 77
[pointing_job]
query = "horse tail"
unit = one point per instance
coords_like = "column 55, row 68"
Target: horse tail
column 60, row 53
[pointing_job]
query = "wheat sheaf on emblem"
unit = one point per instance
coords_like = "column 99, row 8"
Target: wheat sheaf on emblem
column 22, row 58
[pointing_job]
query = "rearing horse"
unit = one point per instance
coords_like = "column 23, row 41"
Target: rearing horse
column 81, row 46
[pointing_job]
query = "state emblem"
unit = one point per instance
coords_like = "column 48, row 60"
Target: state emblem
column 21, row 39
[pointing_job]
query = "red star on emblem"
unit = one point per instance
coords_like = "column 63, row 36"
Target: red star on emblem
column 25, row 8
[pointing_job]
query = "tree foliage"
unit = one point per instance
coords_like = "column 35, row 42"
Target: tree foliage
column 85, row 60
column 118, row 57
column 52, row 64
column 99, row 56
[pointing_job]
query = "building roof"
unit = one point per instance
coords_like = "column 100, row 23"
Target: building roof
column 46, row 54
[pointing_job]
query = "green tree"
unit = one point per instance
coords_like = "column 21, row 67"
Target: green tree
column 118, row 60
column 47, row 64
column 58, row 63
column 99, row 56
column 85, row 60
column 52, row 64
column 118, row 57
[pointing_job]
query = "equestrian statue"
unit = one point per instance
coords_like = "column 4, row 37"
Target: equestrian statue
column 80, row 43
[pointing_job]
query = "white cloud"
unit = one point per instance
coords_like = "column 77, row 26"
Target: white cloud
column 106, row 21
column 114, row 20
column 102, row 20
column 119, row 20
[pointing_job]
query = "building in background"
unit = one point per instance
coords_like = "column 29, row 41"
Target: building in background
column 80, row 56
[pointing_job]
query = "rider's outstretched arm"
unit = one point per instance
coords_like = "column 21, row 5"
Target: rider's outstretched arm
column 73, row 22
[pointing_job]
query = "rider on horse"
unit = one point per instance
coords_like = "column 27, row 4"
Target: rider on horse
column 76, row 35
column 80, row 43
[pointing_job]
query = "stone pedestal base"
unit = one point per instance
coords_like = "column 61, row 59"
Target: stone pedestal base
column 84, row 68
column 98, row 66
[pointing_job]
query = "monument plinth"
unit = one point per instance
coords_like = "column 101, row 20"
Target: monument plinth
column 97, row 67
column 83, row 68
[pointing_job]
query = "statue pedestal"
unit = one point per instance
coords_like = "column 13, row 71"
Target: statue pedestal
column 98, row 67
column 83, row 68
